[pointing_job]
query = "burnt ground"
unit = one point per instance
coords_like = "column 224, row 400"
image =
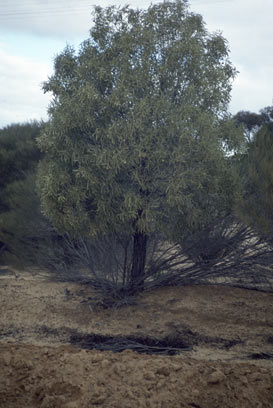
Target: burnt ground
column 195, row 346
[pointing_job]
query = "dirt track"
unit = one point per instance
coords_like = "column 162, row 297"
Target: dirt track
column 229, row 333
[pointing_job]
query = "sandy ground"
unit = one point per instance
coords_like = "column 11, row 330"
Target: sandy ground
column 228, row 361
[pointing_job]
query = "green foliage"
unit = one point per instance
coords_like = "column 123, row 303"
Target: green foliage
column 256, row 208
column 255, row 169
column 19, row 156
column 20, row 225
column 138, row 130
column 28, row 236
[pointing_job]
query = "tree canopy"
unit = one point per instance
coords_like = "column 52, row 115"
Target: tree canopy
column 252, row 122
column 256, row 208
column 138, row 131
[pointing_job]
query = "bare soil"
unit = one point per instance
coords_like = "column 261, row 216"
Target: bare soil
column 46, row 327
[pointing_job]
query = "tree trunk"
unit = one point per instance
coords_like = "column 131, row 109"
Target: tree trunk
column 138, row 261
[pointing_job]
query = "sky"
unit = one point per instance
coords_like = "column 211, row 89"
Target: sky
column 33, row 32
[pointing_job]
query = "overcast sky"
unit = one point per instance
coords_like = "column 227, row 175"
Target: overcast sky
column 32, row 32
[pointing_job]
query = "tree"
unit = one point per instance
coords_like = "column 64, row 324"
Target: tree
column 267, row 114
column 255, row 168
column 257, row 206
column 252, row 122
column 138, row 132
